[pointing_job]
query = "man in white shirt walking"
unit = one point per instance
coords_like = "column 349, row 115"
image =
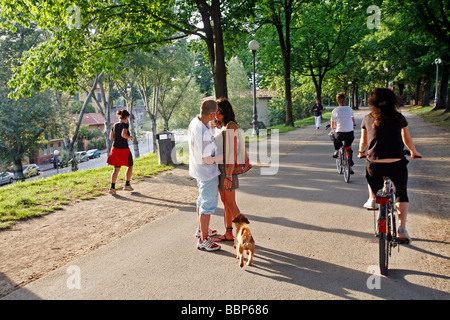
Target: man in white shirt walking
column 343, row 123
column 203, row 167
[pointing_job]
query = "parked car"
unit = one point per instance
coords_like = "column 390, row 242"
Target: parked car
column 31, row 170
column 6, row 177
column 82, row 156
column 93, row 153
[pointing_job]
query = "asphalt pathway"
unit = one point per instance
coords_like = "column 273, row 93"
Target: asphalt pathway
column 313, row 241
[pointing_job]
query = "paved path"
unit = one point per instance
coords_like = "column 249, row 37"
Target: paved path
column 313, row 241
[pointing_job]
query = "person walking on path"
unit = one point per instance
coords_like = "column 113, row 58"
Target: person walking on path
column 203, row 167
column 228, row 142
column 343, row 123
column 317, row 109
column 385, row 132
column 120, row 154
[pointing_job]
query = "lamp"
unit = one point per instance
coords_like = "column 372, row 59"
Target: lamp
column 436, row 95
column 253, row 46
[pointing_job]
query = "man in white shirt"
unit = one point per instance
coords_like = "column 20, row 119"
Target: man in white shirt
column 203, row 167
column 343, row 123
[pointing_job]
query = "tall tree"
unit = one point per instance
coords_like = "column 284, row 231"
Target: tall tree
column 325, row 32
column 89, row 36
column 22, row 121
column 280, row 14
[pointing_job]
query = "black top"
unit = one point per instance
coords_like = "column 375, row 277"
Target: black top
column 385, row 141
column 119, row 141
column 317, row 109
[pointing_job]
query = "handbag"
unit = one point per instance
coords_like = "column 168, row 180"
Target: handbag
column 243, row 167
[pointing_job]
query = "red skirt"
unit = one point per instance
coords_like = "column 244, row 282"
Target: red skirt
column 120, row 157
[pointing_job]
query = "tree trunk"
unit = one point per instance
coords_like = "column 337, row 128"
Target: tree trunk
column 447, row 109
column 443, row 89
column 285, row 45
column 426, row 92
column 106, row 111
column 18, row 169
column 211, row 17
column 417, row 93
column 70, row 143
column 288, row 92
column 220, row 70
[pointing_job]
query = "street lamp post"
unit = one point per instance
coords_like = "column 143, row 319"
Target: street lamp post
column 436, row 95
column 253, row 46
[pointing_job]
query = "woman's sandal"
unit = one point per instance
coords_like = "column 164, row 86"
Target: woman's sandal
column 224, row 236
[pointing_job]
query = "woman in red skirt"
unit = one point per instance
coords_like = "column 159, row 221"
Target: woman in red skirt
column 120, row 153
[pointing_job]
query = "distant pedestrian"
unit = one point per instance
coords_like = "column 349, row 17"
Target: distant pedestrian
column 317, row 109
column 203, row 167
column 120, row 153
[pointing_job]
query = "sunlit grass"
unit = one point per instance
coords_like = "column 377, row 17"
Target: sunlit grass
column 436, row 117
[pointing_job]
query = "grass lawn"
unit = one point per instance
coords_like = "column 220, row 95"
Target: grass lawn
column 436, row 117
column 27, row 199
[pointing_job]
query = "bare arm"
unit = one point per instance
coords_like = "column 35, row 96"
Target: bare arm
column 125, row 134
column 407, row 140
column 362, row 144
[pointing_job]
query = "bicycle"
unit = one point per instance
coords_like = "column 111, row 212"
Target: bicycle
column 343, row 162
column 386, row 223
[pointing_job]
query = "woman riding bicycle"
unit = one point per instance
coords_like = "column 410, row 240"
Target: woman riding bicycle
column 385, row 132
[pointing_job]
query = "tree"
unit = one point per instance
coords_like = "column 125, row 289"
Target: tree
column 431, row 18
column 280, row 15
column 23, row 121
column 69, row 142
column 22, row 126
column 103, row 33
column 325, row 33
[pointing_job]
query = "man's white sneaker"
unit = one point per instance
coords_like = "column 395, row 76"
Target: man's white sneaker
column 112, row 191
column 128, row 188
column 208, row 245
column 211, row 232
column 370, row 204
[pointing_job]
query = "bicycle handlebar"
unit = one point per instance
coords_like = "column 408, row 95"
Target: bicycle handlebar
column 407, row 152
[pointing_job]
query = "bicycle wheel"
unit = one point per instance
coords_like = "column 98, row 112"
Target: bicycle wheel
column 346, row 166
column 338, row 163
column 383, row 231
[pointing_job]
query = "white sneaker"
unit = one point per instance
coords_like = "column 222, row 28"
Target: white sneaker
column 208, row 245
column 128, row 188
column 403, row 235
column 211, row 232
column 112, row 191
column 370, row 204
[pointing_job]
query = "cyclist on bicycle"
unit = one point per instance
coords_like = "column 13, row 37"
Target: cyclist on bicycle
column 343, row 123
column 385, row 132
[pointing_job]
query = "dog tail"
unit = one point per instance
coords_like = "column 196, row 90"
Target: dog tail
column 244, row 232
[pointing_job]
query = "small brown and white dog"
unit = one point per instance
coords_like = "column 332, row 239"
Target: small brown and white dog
column 244, row 240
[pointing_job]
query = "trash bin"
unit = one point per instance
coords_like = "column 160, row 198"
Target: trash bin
column 166, row 143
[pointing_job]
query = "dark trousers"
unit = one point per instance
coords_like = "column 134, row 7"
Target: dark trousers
column 346, row 139
column 397, row 171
